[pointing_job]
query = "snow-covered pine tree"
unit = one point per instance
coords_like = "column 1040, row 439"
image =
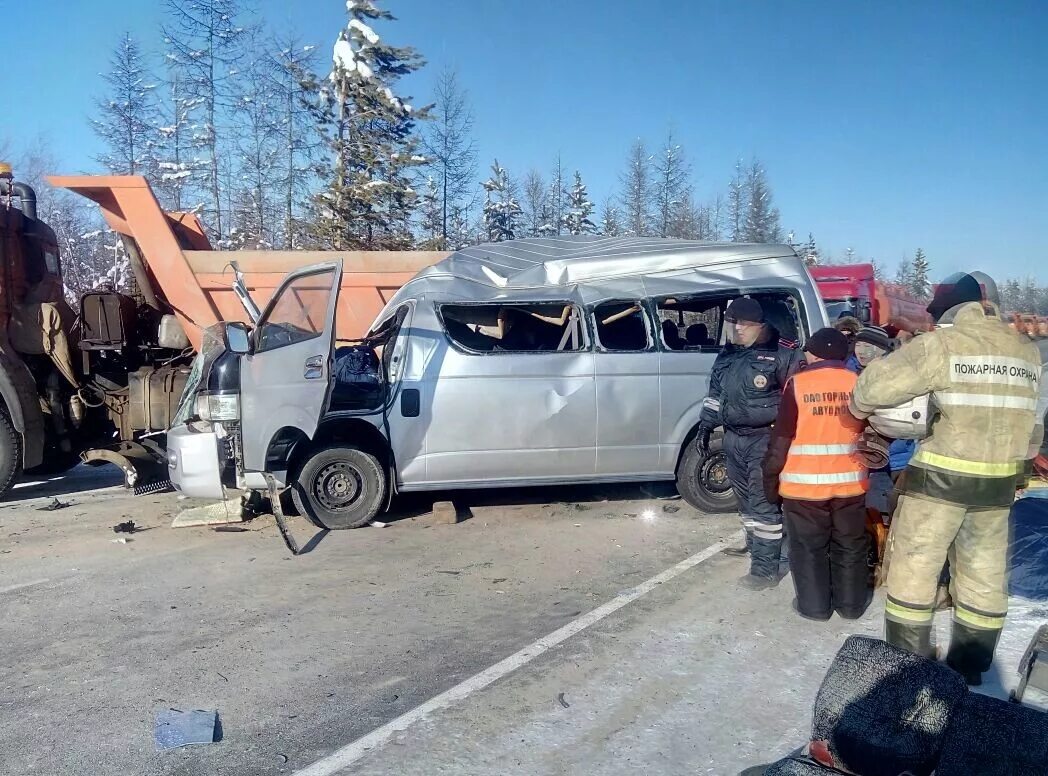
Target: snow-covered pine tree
column 811, row 251
column 204, row 42
column 534, row 203
column 501, row 210
column 291, row 64
column 577, row 219
column 736, row 205
column 448, row 144
column 555, row 206
column 1011, row 293
column 636, row 191
column 671, row 192
column 367, row 201
column 762, row 217
column 611, row 219
column 920, row 285
column 127, row 114
column 879, row 272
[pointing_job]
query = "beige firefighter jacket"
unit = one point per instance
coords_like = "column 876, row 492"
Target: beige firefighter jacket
column 984, row 380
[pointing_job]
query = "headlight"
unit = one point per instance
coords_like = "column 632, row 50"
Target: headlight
column 224, row 406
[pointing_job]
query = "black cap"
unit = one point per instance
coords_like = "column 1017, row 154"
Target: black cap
column 876, row 336
column 746, row 310
column 829, row 344
column 954, row 290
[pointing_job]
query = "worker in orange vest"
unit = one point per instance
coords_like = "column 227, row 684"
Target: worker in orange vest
column 813, row 466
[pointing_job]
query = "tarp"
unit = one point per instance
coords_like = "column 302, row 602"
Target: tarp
column 1029, row 551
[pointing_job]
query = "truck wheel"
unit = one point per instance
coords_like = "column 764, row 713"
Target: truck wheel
column 340, row 487
column 702, row 480
column 10, row 453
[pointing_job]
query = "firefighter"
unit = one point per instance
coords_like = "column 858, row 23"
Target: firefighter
column 961, row 481
column 814, row 466
column 746, row 385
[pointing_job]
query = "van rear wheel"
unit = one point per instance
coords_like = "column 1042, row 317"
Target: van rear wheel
column 340, row 487
column 702, row 480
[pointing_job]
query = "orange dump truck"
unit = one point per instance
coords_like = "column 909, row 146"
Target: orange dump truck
column 102, row 385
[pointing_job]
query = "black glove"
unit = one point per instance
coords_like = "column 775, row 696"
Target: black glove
column 703, row 438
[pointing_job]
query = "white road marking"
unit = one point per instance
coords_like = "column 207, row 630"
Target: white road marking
column 349, row 754
column 21, row 585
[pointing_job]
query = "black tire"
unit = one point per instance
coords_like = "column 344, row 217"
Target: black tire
column 340, row 487
column 10, row 453
column 702, row 480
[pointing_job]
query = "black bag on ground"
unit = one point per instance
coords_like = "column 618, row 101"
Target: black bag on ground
column 883, row 711
column 991, row 737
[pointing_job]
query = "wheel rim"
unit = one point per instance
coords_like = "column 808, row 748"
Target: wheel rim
column 713, row 474
column 338, row 486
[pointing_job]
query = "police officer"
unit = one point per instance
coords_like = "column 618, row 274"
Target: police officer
column 961, row 481
column 745, row 389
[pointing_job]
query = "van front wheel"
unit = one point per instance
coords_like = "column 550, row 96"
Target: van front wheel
column 340, row 487
column 702, row 480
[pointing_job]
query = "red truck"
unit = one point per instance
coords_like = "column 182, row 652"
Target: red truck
column 852, row 289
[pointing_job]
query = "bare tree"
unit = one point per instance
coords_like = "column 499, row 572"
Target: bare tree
column 448, row 145
column 204, row 42
column 736, row 213
column 636, row 191
column 291, row 64
column 257, row 111
column 534, row 203
column 127, row 113
column 176, row 161
column 556, row 201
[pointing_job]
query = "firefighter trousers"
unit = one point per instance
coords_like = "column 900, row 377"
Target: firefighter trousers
column 925, row 534
column 761, row 519
column 828, row 549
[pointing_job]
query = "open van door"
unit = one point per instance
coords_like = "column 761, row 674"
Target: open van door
column 285, row 378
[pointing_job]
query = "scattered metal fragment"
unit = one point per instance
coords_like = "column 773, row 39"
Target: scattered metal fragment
column 125, row 527
column 175, row 728
column 561, row 701
column 54, row 505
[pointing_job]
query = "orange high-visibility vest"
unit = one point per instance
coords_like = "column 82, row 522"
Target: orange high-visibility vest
column 822, row 462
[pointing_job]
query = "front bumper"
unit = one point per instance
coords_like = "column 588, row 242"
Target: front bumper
column 192, row 461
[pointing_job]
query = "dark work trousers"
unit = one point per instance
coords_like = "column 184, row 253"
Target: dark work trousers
column 828, row 555
column 761, row 519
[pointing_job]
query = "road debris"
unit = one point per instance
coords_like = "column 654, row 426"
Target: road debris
column 377, row 524
column 444, row 513
column 54, row 505
column 125, row 527
column 175, row 728
column 121, row 540
column 670, row 508
column 561, row 701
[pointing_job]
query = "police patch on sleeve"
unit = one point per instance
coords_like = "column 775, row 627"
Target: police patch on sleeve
column 760, row 381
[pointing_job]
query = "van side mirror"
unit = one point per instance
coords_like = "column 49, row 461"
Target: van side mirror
column 237, row 338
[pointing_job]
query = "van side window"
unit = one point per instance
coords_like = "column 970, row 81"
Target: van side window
column 692, row 323
column 696, row 323
column 494, row 328
column 621, row 326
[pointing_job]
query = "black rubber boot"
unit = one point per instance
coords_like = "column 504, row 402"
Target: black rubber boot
column 971, row 651
column 913, row 638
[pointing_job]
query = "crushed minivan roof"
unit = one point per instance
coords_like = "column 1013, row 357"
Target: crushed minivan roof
column 568, row 260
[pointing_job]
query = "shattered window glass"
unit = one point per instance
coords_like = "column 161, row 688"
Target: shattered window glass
column 494, row 328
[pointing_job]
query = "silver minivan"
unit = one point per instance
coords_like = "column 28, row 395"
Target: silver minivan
column 523, row 363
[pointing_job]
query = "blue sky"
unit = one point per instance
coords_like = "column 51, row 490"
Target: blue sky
column 884, row 126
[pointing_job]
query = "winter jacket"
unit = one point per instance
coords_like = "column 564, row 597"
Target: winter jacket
column 853, row 365
column 983, row 378
column 746, row 384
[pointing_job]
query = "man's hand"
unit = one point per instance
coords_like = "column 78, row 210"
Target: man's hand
column 703, row 438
